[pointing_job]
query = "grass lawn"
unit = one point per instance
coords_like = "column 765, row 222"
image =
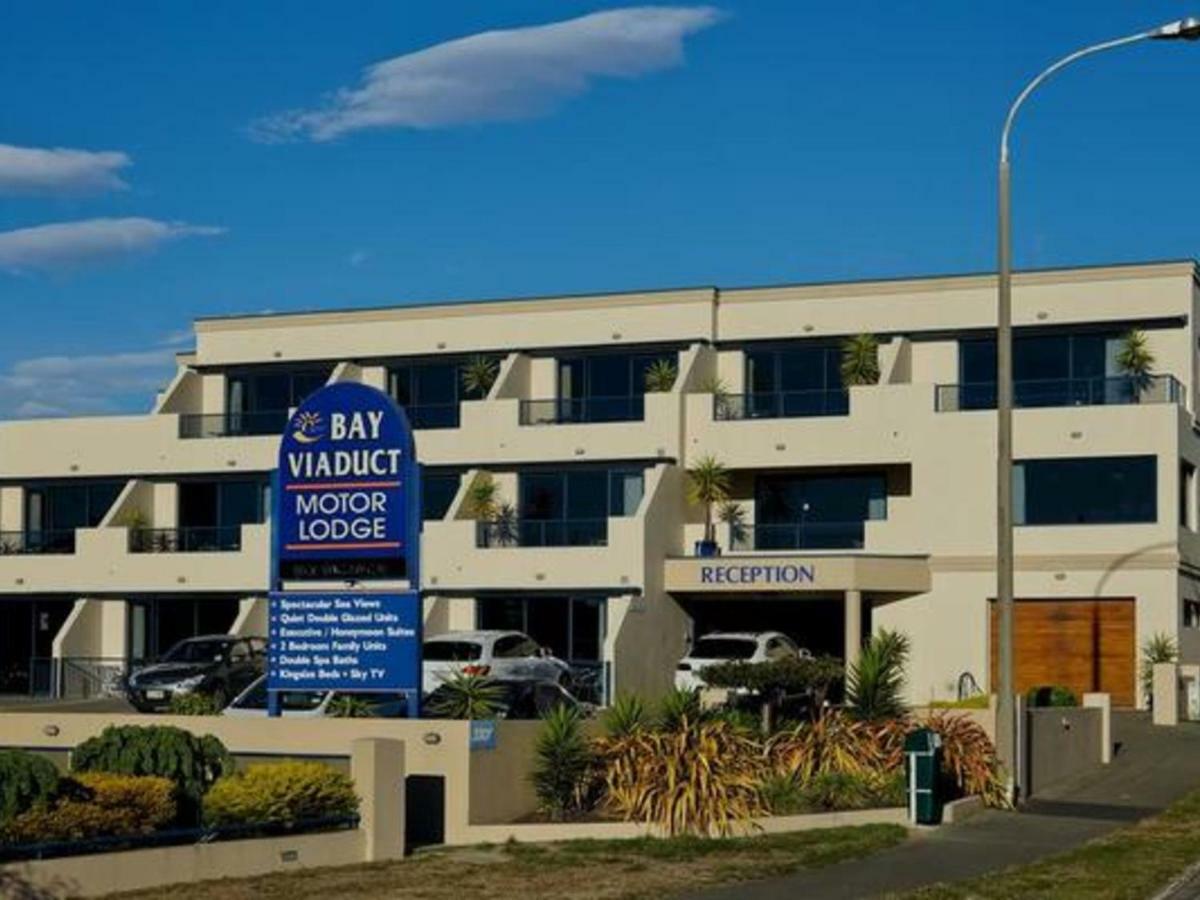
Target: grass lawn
column 640, row 868
column 1132, row 863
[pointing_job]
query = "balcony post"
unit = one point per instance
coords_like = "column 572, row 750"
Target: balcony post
column 852, row 605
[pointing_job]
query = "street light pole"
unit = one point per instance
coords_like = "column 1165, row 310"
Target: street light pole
column 1006, row 726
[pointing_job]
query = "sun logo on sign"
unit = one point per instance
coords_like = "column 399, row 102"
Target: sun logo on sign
column 306, row 427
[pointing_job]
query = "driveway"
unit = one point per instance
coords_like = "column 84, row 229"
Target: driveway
column 1153, row 767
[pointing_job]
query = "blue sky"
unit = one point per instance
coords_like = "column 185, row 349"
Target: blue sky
column 232, row 156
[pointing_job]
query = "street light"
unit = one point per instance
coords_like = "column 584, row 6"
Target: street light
column 1183, row 29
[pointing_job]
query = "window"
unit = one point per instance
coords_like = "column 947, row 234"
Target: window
column 1187, row 496
column 438, row 490
column 514, row 646
column 816, row 511
column 571, row 508
column 271, row 390
column 798, row 380
column 605, row 387
column 1086, row 491
column 54, row 511
column 431, row 391
column 451, row 651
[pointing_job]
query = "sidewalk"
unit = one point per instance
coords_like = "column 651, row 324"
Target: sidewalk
column 1153, row 767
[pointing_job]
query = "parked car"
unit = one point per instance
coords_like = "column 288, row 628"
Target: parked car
column 219, row 665
column 252, row 702
column 724, row 646
column 520, row 699
column 498, row 654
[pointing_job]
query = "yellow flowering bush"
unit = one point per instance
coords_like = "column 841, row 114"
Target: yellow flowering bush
column 282, row 793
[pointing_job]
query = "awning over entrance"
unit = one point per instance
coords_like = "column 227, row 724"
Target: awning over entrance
column 798, row 573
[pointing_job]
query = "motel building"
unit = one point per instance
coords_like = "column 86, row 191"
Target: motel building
column 864, row 507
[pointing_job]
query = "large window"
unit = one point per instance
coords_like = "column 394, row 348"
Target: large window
column 54, row 511
column 210, row 517
column 273, row 390
column 797, row 380
column 570, row 507
column 437, row 493
column 1048, row 370
column 814, row 511
column 605, row 387
column 1091, row 491
column 431, row 391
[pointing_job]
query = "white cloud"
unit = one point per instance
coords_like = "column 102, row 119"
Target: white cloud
column 177, row 337
column 66, row 244
column 72, row 385
column 35, row 170
column 498, row 75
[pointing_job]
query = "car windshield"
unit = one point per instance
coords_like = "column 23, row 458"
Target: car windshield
column 197, row 651
column 723, row 648
column 256, row 698
column 451, row 651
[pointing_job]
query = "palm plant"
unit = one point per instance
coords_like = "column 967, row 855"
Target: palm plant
column 467, row 697
column 483, row 498
column 562, row 764
column 733, row 514
column 708, row 484
column 875, row 683
column 660, row 376
column 860, row 360
column 677, row 708
column 346, row 706
column 1135, row 359
column 722, row 399
column 479, row 374
column 627, row 715
column 1160, row 647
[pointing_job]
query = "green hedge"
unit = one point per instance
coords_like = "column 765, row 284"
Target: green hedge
column 280, row 793
column 26, row 782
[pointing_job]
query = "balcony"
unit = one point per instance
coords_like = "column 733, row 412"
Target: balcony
column 56, row 541
column 1123, row 390
column 432, row 416
column 185, row 540
column 231, row 424
column 781, row 405
column 583, row 410
column 543, row 533
column 799, row 536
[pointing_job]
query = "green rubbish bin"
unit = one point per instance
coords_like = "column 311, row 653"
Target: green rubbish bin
column 923, row 764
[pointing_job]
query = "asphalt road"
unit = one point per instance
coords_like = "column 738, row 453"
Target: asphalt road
column 1152, row 768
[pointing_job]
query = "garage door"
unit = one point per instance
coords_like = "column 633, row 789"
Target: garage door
column 1085, row 644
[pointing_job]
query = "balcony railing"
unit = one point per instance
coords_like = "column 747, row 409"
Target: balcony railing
column 233, row 424
column 799, row 536
column 543, row 533
column 1122, row 390
column 583, row 410
column 225, row 539
column 782, row 404
column 33, row 543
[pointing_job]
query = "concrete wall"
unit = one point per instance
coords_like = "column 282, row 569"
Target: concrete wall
column 1062, row 743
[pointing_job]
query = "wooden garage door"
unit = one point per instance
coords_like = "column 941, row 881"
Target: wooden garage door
column 1085, row 644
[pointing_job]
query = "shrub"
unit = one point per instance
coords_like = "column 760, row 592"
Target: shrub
column 1051, row 695
column 280, row 793
column 467, row 697
column 701, row 778
column 969, row 757
column 838, row 744
column 347, row 706
column 1158, row 648
column 192, row 763
column 627, row 715
column 833, row 791
column 99, row 804
column 193, row 705
column 562, row 766
column 782, row 794
column 814, row 676
column 26, row 782
column 677, row 707
column 875, row 684
column 978, row 701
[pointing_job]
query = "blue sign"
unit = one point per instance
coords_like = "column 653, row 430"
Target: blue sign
column 483, row 734
column 348, row 491
column 349, row 641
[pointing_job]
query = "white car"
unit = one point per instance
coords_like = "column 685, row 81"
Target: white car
column 252, row 703
column 510, row 655
column 725, row 646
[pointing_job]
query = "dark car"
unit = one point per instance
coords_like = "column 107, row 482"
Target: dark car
column 218, row 665
column 519, row 699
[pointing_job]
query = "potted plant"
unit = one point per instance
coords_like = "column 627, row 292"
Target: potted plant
column 860, row 360
column 498, row 521
column 708, row 485
column 1136, row 361
column 660, row 376
column 478, row 375
column 722, row 399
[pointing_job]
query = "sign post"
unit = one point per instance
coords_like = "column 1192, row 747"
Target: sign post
column 345, row 602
